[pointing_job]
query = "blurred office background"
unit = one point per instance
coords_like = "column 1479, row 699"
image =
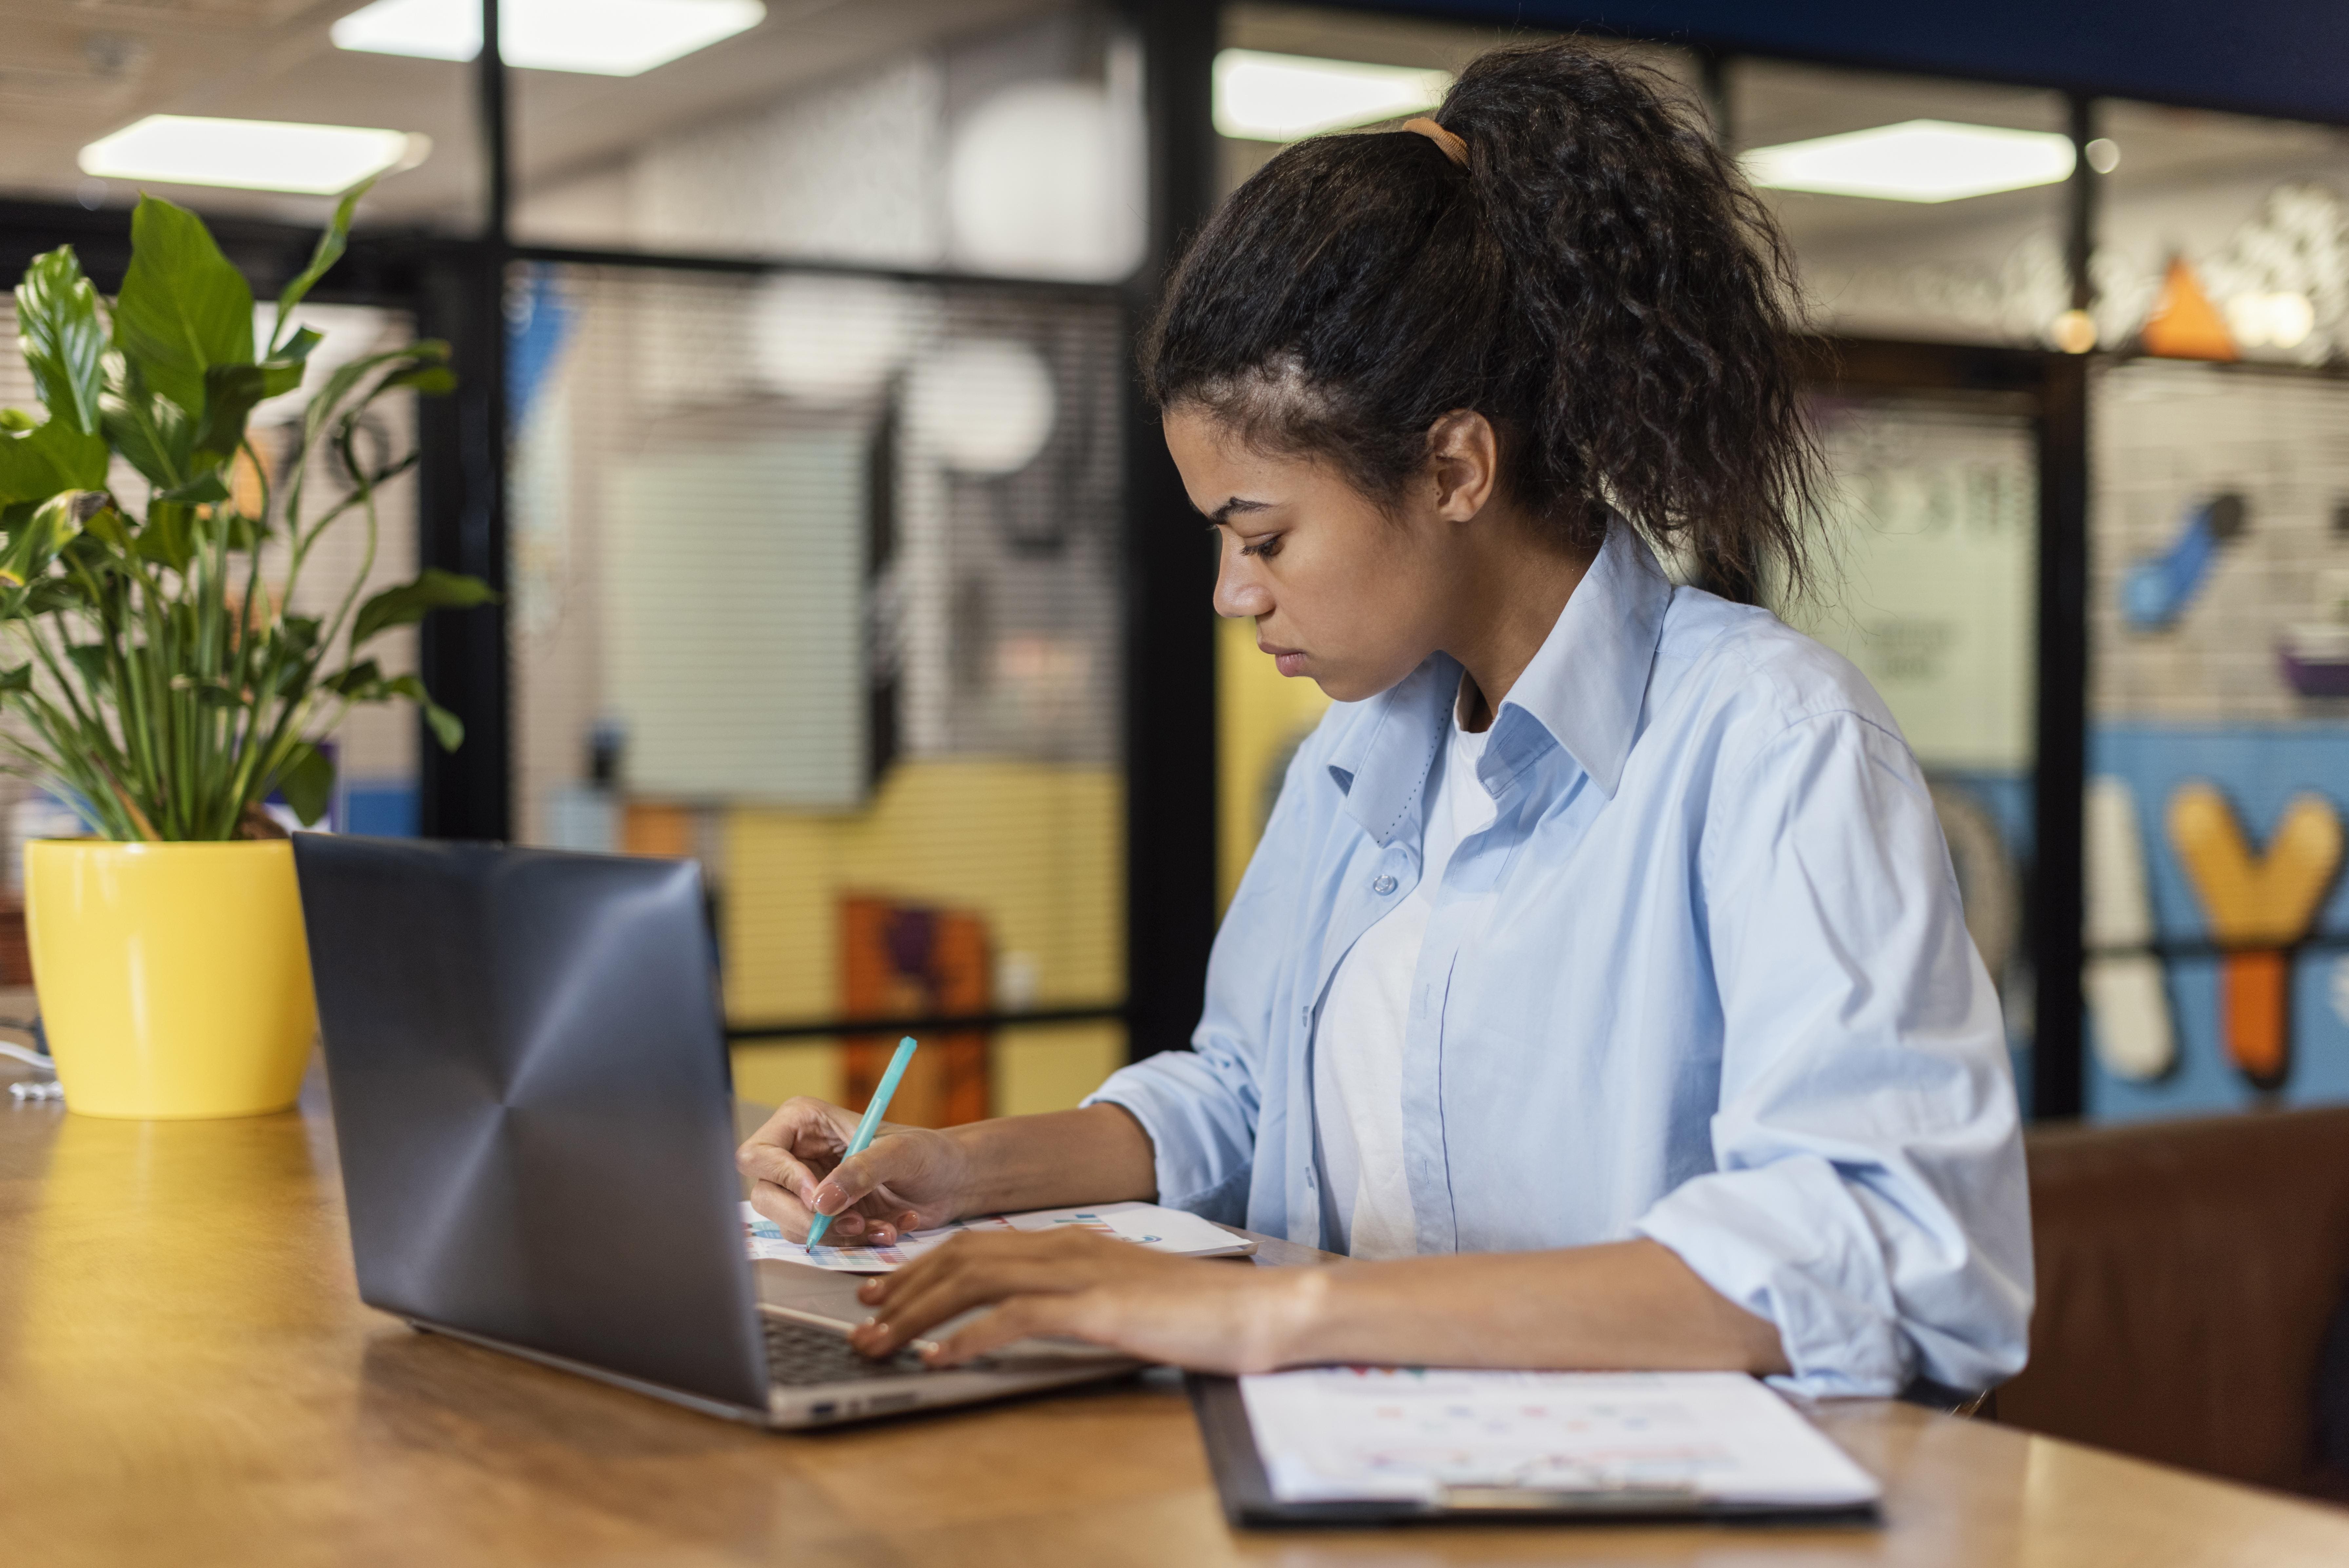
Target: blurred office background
column 798, row 427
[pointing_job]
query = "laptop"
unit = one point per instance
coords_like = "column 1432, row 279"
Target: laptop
column 534, row 1112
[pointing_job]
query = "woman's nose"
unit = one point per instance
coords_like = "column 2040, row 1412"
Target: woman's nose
column 1237, row 591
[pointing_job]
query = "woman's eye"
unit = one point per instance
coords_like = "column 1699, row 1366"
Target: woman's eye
column 1267, row 547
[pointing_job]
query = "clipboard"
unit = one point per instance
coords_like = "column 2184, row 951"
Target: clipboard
column 1249, row 1503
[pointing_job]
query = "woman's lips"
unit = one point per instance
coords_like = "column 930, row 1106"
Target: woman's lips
column 1288, row 660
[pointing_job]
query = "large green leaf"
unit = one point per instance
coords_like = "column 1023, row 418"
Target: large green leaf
column 411, row 602
column 90, row 661
column 51, row 594
column 307, row 782
column 155, row 435
column 55, row 523
column 231, row 391
column 52, row 456
column 169, row 537
column 296, row 349
column 183, row 308
column 298, row 634
column 206, row 488
column 360, row 682
column 432, row 380
column 110, row 528
column 56, row 312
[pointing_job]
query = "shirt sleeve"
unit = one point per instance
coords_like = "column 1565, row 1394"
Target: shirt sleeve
column 1868, row 1195
column 1201, row 1106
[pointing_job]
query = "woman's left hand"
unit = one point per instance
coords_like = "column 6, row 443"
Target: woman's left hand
column 1209, row 1315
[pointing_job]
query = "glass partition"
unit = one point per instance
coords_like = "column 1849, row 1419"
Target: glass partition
column 815, row 578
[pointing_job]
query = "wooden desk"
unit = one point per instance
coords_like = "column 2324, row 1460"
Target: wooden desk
column 187, row 1378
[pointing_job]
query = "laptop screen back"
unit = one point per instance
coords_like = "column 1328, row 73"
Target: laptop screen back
column 532, row 1101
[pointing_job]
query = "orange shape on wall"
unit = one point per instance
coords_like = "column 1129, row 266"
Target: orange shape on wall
column 2259, row 906
column 2254, row 1001
column 908, row 960
column 2185, row 325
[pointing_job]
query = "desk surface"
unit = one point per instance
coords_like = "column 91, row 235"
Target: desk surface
column 186, row 1375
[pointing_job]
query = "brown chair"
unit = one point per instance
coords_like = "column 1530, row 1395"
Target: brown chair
column 2188, row 1272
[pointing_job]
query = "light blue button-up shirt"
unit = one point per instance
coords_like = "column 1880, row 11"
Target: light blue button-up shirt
column 1705, row 979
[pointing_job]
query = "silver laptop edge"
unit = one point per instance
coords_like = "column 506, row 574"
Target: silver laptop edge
column 534, row 1114
column 796, row 1408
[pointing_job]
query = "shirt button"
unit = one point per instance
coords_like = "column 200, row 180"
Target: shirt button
column 1383, row 884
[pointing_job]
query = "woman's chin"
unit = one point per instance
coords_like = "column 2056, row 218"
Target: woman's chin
column 1342, row 688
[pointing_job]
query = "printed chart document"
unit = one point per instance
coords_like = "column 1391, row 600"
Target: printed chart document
column 1144, row 1224
column 1437, row 1437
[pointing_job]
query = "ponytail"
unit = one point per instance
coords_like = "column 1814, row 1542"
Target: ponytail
column 1597, row 280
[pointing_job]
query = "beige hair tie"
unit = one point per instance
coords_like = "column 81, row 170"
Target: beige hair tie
column 1453, row 148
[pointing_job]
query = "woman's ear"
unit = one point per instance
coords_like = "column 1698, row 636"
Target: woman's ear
column 1464, row 460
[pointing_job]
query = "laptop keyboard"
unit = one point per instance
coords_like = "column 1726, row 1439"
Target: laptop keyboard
column 800, row 1354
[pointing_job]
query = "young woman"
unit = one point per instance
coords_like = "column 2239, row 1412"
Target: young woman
column 1600, row 980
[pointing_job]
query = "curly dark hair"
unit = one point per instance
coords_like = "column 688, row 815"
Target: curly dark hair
column 1598, row 281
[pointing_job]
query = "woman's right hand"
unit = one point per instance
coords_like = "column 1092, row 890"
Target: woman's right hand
column 909, row 1178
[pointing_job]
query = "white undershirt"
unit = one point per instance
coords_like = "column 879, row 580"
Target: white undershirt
column 1358, row 1050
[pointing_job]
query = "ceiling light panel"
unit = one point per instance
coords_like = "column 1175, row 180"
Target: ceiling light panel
column 594, row 38
column 250, row 154
column 1283, row 98
column 1915, row 161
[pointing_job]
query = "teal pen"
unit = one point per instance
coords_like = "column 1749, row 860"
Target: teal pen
column 871, row 1124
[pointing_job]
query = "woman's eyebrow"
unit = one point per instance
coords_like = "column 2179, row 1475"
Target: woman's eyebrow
column 1224, row 513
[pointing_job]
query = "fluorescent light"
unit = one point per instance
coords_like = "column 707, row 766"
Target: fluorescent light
column 423, row 29
column 250, row 154
column 597, row 37
column 1283, row 98
column 1916, row 160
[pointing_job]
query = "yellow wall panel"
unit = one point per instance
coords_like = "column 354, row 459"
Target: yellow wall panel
column 771, row 1074
column 1051, row 1069
column 1036, row 848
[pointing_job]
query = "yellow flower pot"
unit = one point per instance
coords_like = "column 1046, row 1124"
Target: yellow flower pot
column 174, row 978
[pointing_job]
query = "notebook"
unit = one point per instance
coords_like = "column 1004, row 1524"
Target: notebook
column 1352, row 1444
column 1144, row 1224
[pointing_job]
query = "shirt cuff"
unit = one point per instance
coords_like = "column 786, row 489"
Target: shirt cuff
column 1787, row 1243
column 1198, row 1166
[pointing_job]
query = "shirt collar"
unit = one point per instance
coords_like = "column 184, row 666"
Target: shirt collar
column 1585, row 686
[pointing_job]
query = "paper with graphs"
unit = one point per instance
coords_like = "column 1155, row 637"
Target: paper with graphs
column 1351, row 1434
column 1144, row 1224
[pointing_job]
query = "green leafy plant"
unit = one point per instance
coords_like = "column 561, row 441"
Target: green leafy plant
column 161, row 681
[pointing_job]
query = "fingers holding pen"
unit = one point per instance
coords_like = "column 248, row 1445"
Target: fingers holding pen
column 878, row 1220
